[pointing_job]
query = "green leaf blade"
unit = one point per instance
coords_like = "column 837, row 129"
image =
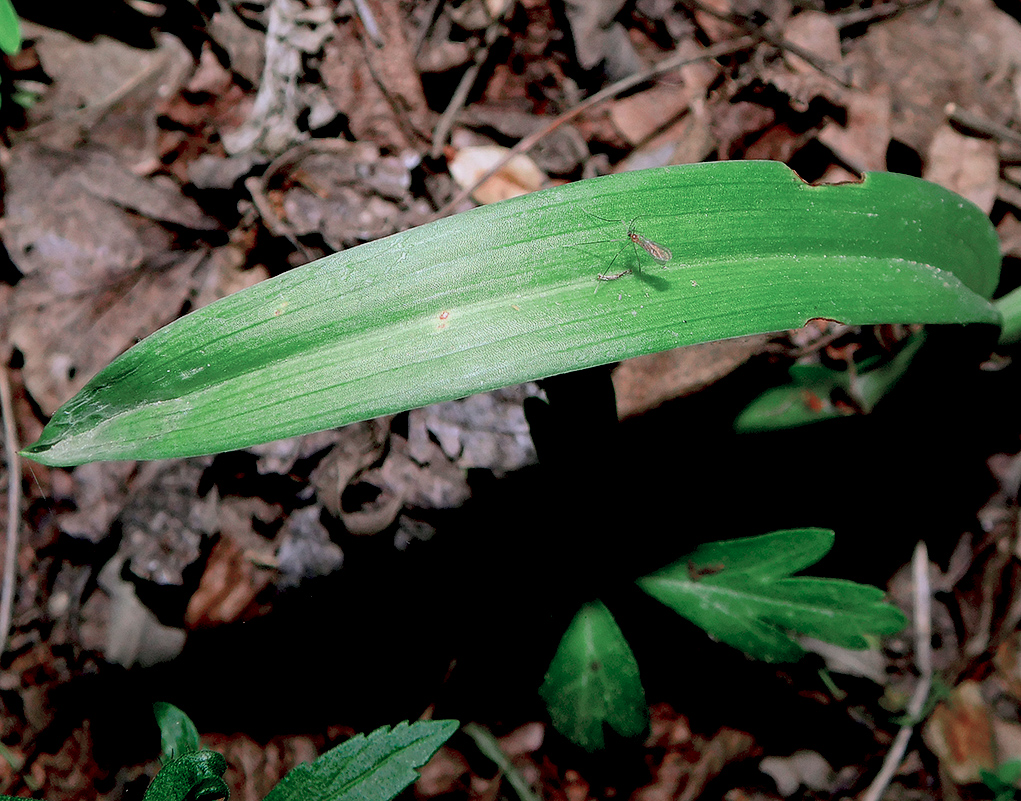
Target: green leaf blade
column 375, row 767
column 10, row 28
column 506, row 293
column 593, row 681
column 768, row 556
column 837, row 611
column 178, row 735
column 738, row 591
column 192, row 777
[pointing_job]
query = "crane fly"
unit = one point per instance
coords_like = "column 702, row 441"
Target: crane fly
column 658, row 252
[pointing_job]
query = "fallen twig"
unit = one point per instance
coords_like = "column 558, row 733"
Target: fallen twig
column 489, row 746
column 923, row 661
column 979, row 124
column 13, row 506
column 446, row 122
column 760, row 31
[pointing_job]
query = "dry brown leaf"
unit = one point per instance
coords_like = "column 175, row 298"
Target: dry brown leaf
column 802, row 768
column 864, row 140
column 960, row 733
column 649, row 381
column 716, row 29
column 1009, row 231
column 210, row 75
column 519, row 176
column 641, row 115
column 255, row 768
column 524, row 740
column 441, row 774
column 487, row 430
column 964, row 55
column 377, row 88
column 280, row 456
column 731, row 123
column 101, row 490
column 777, row 143
column 234, row 573
column 359, row 445
column 105, row 91
column 424, row 478
column 1008, row 665
column 304, row 548
column 79, row 225
column 965, row 165
column 119, row 627
column 165, row 522
column 245, row 47
column 67, row 340
column 815, row 33
column 347, row 192
column 599, row 38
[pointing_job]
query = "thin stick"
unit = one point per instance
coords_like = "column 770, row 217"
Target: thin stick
column 489, row 746
column 923, row 661
column 467, row 82
column 369, row 22
column 825, row 67
column 978, row 123
column 13, row 505
column 668, row 64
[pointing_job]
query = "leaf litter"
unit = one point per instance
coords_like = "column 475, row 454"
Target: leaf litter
column 153, row 176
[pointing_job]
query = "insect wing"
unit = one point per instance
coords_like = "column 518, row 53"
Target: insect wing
column 658, row 252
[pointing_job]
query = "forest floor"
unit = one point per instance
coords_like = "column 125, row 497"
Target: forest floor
column 159, row 156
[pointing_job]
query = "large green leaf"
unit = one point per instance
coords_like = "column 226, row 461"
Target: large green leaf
column 740, row 592
column 366, row 768
column 508, row 292
column 593, row 681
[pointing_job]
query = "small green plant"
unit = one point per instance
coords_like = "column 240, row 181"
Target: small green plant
column 810, row 395
column 593, row 680
column 740, row 592
column 374, row 767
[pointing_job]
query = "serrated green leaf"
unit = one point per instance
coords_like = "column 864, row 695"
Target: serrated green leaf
column 593, row 680
column 505, row 293
column 178, row 735
column 738, row 592
column 366, row 768
column 197, row 776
